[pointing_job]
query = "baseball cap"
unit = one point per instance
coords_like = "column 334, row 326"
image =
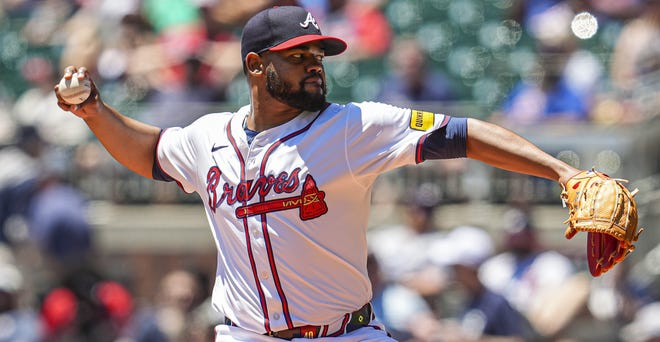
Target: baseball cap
column 283, row 27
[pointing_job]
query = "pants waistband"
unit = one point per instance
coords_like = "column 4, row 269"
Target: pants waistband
column 352, row 321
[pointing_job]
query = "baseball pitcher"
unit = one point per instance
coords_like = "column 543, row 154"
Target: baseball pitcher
column 286, row 180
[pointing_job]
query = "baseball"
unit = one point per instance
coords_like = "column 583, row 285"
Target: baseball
column 74, row 91
column 584, row 25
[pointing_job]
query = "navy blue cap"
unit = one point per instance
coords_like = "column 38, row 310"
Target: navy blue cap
column 283, row 27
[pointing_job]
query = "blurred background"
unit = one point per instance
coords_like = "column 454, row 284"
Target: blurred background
column 459, row 251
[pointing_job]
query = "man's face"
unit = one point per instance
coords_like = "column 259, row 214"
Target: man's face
column 296, row 77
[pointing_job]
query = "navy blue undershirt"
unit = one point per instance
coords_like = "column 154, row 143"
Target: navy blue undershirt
column 250, row 134
column 447, row 142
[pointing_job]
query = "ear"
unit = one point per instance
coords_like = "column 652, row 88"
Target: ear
column 253, row 63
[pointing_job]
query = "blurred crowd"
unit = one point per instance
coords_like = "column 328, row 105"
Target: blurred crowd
column 469, row 283
column 519, row 59
column 168, row 61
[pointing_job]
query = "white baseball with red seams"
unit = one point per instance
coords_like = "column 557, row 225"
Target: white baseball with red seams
column 74, row 91
column 291, row 245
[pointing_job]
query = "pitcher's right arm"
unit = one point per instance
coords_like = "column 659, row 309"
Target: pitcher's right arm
column 132, row 143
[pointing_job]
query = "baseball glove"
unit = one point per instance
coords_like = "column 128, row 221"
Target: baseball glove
column 605, row 209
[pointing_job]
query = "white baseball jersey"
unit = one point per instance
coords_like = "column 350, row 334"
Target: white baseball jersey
column 289, row 211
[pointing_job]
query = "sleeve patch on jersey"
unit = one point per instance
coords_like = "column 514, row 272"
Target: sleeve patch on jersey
column 421, row 121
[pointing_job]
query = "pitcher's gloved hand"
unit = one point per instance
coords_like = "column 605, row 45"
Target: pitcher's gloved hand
column 605, row 209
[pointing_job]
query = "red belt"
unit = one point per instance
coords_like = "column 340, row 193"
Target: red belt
column 356, row 320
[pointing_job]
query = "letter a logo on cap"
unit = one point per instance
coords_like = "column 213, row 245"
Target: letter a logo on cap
column 309, row 20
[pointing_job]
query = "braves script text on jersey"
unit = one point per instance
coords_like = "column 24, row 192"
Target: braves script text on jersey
column 289, row 211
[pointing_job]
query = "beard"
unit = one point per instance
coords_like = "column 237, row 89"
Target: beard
column 301, row 99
